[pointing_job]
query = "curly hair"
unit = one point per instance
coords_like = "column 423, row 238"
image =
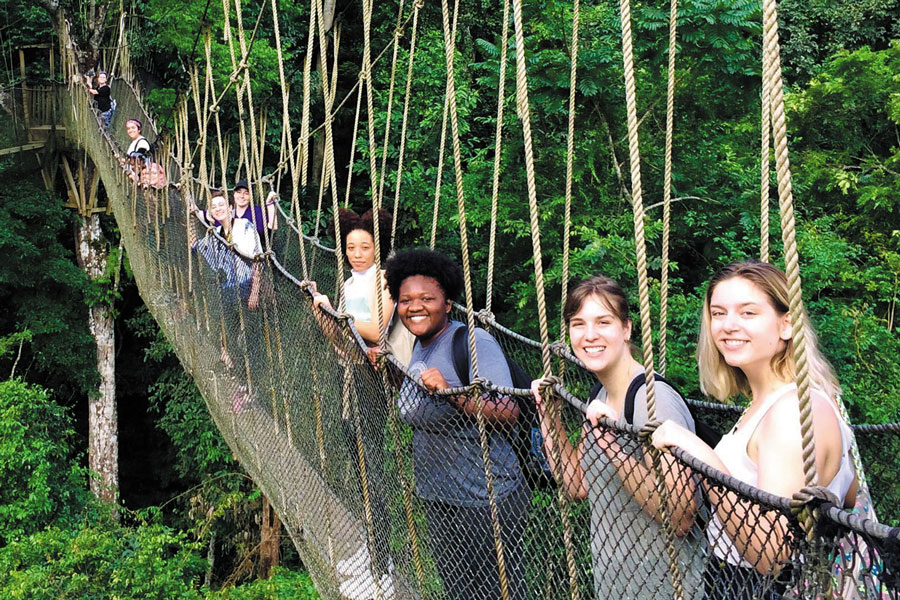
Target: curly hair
column 350, row 221
column 428, row 263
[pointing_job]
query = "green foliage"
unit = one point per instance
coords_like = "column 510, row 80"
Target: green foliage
column 41, row 287
column 42, row 485
column 282, row 585
column 96, row 561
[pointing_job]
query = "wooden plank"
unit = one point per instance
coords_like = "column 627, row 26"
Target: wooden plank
column 70, row 184
column 22, row 148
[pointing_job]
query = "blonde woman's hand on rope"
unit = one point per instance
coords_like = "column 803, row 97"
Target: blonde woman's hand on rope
column 673, row 435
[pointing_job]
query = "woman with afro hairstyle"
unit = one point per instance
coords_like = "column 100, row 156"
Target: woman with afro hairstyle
column 447, row 455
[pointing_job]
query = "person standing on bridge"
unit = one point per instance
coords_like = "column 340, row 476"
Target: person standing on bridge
column 611, row 470
column 746, row 347
column 239, row 277
column 102, row 98
column 360, row 299
column 447, row 453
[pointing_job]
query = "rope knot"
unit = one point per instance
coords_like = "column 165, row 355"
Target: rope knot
column 559, row 347
column 485, row 316
column 646, row 432
column 806, row 506
column 812, row 496
column 477, row 385
column 548, row 385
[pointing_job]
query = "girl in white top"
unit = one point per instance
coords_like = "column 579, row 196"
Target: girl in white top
column 746, row 347
column 357, row 232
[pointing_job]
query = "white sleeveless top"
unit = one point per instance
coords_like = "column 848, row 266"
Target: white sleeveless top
column 359, row 294
column 732, row 450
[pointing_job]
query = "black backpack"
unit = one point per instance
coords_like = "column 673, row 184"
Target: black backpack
column 526, row 438
column 705, row 432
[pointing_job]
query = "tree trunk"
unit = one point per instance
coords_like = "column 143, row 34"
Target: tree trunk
column 270, row 539
column 103, row 436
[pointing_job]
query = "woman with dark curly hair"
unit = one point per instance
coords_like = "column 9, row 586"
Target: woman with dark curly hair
column 447, row 453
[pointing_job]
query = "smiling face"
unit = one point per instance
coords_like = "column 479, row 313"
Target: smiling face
column 600, row 339
column 132, row 129
column 747, row 329
column 241, row 197
column 359, row 247
column 220, row 210
column 423, row 307
column 101, row 79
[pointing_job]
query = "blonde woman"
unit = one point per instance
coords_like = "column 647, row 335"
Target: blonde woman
column 746, row 347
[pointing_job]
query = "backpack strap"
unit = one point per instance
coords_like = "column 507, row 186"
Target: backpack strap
column 633, row 388
column 461, row 357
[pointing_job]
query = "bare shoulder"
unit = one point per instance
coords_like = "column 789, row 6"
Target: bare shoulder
column 782, row 422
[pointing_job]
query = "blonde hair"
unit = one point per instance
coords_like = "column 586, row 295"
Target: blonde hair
column 722, row 381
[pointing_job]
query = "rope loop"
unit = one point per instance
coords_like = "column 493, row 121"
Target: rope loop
column 812, row 495
column 485, row 316
column 477, row 386
column 548, row 385
column 646, row 432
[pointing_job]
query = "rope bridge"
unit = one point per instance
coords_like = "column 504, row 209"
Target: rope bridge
column 327, row 436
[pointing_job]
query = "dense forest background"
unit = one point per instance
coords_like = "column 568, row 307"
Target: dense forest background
column 187, row 520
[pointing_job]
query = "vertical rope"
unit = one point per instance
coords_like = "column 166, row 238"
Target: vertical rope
column 570, row 159
column 359, row 92
column 791, row 255
column 441, row 152
column 417, row 5
column 449, row 54
column 288, row 138
column 524, row 112
column 667, row 189
column 498, row 146
column 304, row 116
column 765, row 130
column 398, row 33
column 644, row 287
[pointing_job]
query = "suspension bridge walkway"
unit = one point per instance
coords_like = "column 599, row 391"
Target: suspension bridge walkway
column 318, row 427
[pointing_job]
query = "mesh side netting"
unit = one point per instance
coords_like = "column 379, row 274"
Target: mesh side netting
column 383, row 487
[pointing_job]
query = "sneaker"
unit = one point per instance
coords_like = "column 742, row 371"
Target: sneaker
column 358, row 587
column 354, row 565
column 365, row 587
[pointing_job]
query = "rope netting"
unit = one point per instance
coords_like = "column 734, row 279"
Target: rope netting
column 389, row 491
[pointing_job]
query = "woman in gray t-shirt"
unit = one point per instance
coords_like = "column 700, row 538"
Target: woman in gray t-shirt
column 628, row 543
column 449, row 470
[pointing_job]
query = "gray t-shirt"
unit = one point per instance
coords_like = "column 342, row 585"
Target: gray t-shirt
column 446, row 442
column 628, row 546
